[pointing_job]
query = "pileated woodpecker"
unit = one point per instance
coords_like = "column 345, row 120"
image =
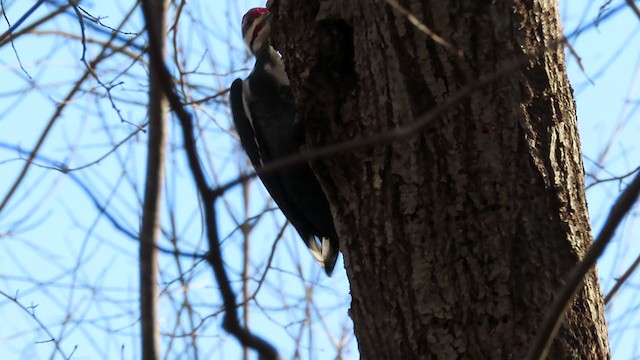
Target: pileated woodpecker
column 265, row 118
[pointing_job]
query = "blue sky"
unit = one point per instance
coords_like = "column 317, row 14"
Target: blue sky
column 63, row 256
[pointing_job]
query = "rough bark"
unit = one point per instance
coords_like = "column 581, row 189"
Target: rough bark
column 456, row 239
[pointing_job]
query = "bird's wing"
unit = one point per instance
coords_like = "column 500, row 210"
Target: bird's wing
column 244, row 124
column 295, row 189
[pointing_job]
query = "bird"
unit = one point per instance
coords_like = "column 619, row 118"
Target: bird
column 264, row 114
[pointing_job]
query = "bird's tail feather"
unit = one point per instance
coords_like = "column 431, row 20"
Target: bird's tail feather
column 324, row 253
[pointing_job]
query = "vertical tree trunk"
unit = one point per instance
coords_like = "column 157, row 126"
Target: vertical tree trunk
column 150, row 228
column 456, row 239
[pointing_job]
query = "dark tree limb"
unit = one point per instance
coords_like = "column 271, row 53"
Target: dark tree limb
column 231, row 321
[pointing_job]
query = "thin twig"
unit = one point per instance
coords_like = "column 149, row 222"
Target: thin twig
column 56, row 115
column 80, row 17
column 613, row 178
column 622, row 280
column 34, row 25
column 13, row 46
column 422, row 27
column 25, row 16
column 32, row 313
column 578, row 61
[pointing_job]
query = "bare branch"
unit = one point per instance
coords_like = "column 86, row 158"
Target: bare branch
column 25, row 16
column 622, row 280
column 634, row 8
column 31, row 311
column 422, row 27
column 59, row 109
column 231, row 322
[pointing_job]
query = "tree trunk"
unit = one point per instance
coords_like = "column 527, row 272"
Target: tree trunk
column 456, row 238
column 150, row 227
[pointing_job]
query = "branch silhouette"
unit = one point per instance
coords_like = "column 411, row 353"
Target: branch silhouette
column 231, row 321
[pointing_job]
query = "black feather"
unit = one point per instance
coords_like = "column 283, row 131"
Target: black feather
column 273, row 134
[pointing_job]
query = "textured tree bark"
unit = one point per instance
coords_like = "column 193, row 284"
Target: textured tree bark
column 456, row 239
